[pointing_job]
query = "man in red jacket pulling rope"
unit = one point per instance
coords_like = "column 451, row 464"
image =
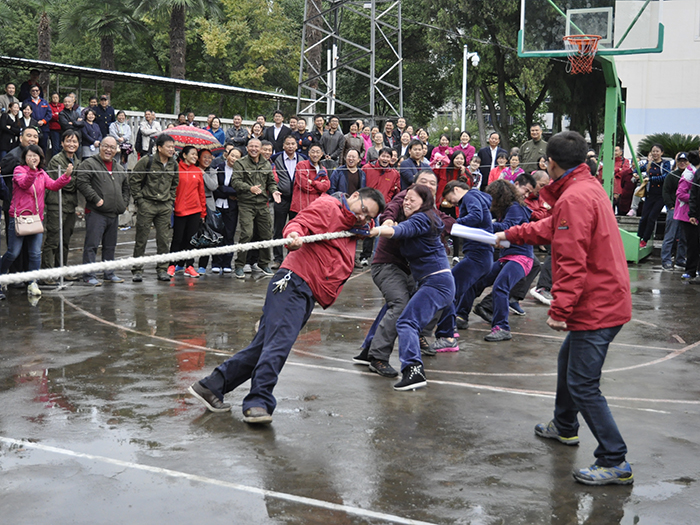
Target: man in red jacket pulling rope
column 310, row 273
column 592, row 301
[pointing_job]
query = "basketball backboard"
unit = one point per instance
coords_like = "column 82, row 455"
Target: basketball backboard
column 626, row 26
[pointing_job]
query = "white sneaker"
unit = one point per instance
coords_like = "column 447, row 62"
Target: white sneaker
column 247, row 269
column 33, row 289
column 364, row 262
column 215, row 269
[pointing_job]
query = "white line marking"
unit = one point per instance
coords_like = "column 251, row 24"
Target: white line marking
column 227, row 484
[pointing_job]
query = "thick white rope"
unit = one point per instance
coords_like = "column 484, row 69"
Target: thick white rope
column 129, row 262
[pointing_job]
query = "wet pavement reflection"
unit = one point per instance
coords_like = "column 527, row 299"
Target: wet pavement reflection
column 95, row 424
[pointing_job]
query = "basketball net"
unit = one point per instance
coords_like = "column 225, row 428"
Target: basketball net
column 582, row 50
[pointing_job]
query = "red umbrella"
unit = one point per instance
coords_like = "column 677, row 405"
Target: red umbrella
column 191, row 136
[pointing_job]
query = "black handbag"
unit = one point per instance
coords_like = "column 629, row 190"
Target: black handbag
column 214, row 220
column 206, row 237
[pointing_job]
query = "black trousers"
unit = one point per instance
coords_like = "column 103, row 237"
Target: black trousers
column 282, row 215
column 692, row 253
column 652, row 208
column 184, row 228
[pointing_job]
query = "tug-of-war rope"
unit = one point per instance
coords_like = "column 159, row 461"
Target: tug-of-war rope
column 129, row 262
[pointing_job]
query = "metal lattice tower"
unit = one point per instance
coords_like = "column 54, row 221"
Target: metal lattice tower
column 338, row 54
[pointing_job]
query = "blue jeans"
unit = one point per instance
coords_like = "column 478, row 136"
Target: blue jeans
column 673, row 232
column 579, row 366
column 14, row 247
column 284, row 315
column 434, row 293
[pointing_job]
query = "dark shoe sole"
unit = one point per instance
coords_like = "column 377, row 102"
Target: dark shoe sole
column 206, row 403
column 482, row 313
column 414, row 386
column 564, row 441
column 384, row 373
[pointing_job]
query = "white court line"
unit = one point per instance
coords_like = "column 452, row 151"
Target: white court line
column 483, row 387
column 356, row 511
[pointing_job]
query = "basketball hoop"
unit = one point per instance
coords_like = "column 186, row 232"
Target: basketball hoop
column 582, row 50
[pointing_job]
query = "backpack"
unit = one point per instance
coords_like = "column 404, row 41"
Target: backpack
column 139, row 144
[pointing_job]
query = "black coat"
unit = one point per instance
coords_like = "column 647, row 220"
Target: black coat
column 269, row 134
column 9, row 132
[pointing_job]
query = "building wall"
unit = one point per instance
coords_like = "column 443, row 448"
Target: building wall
column 663, row 89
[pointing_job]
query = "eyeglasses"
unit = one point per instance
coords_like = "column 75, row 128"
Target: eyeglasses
column 107, row 146
column 365, row 211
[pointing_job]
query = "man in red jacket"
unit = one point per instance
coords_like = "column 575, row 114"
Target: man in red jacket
column 311, row 272
column 592, row 301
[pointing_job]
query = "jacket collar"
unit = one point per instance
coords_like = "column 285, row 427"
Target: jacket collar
column 553, row 191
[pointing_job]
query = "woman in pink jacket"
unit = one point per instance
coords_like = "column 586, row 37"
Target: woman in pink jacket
column 29, row 184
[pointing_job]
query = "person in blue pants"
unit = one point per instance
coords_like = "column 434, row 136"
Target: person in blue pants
column 514, row 262
column 475, row 212
column 420, row 245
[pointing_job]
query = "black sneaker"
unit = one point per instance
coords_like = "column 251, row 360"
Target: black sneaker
column 481, row 312
column 382, row 368
column 362, row 358
column 412, row 377
column 138, row 277
column 462, row 323
column 208, row 398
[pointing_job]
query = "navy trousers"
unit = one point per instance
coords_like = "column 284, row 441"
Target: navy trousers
column 284, row 315
column 503, row 276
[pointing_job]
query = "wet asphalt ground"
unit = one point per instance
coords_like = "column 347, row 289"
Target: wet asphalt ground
column 96, row 425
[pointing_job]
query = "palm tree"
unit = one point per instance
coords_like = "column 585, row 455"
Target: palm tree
column 108, row 20
column 177, row 11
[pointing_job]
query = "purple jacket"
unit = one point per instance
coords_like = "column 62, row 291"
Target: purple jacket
column 680, row 212
column 23, row 199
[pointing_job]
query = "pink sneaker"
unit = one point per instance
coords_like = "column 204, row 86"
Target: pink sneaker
column 445, row 344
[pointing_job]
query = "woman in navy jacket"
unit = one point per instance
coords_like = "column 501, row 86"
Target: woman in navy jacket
column 514, row 262
column 92, row 136
column 421, row 247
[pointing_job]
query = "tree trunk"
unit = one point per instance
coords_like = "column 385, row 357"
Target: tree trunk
column 44, row 48
column 107, row 62
column 178, row 48
column 480, row 116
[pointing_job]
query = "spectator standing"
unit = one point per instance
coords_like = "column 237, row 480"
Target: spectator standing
column 190, row 120
column 487, row 157
column 348, row 178
column 41, row 112
column 253, row 180
column 353, row 140
column 25, row 88
column 464, row 146
column 27, row 121
column 688, row 211
column 153, row 185
column 310, row 182
column 410, row 167
column 377, row 146
column 367, row 137
column 278, row 132
column 237, row 134
column 319, row 128
column 226, row 201
column 92, row 136
column 443, row 148
column 104, row 115
column 104, row 185
column 71, row 117
column 8, row 97
column 54, row 125
column 390, row 140
column 656, row 169
column 304, row 138
column 121, row 131
column 532, row 150
column 513, row 170
column 10, row 128
column 215, row 129
column 66, row 160
column 333, row 142
column 148, row 128
column 92, row 104
column 496, row 172
column 673, row 234
column 190, row 209
column 623, row 184
column 204, row 162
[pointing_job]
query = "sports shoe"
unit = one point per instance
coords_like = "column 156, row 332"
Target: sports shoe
column 363, row 263
column 247, row 269
column 256, row 268
column 92, row 281
column 3, row 289
column 208, row 398
column 461, row 322
column 667, row 267
column 137, row 277
column 239, row 273
column 171, row 270
column 445, row 344
column 113, row 279
column 632, row 213
column 679, row 266
column 597, row 475
column 455, row 260
column 481, row 312
column 363, row 357
column 201, row 270
column 227, row 269
column 191, row 272
column 33, row 289
column 412, row 377
column 425, row 346
column 542, row 295
column 266, row 271
column 164, row 276
column 514, row 307
column 179, row 269
column 550, row 431
column 275, row 265
column 382, row 368
column 2, row 296
column 215, row 269
column 257, row 416
column 687, row 276
column 642, row 244
column 498, row 334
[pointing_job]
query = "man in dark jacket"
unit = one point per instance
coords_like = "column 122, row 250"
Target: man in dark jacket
column 104, row 115
column 592, row 301
column 673, row 232
column 237, row 134
column 488, row 155
column 105, row 187
column 71, row 117
column 41, row 112
column 277, row 133
column 410, row 167
column 348, row 178
column 284, row 165
column 153, row 186
column 332, row 143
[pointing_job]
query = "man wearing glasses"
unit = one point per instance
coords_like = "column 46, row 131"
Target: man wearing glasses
column 41, row 112
column 311, row 273
column 104, row 185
